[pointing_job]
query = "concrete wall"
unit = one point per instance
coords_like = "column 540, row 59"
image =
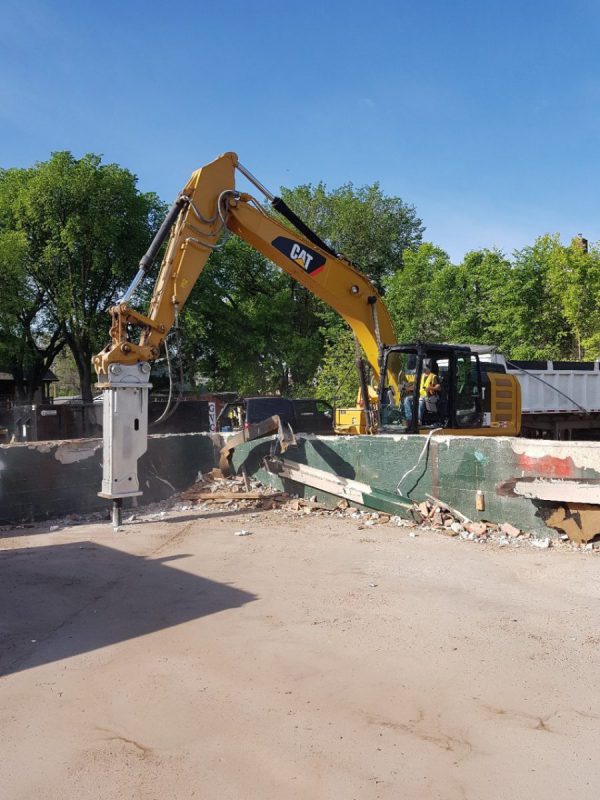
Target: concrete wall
column 518, row 477
column 42, row 480
column 512, row 473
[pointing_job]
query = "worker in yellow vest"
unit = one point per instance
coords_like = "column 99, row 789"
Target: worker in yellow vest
column 428, row 393
column 429, row 390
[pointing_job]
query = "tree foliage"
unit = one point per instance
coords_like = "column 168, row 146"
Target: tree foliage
column 337, row 378
column 411, row 297
column 368, row 227
column 82, row 226
column 248, row 327
column 543, row 303
column 29, row 342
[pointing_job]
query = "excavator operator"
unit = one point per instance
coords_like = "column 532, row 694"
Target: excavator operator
column 428, row 393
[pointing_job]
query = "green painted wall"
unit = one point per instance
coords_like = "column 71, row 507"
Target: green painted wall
column 42, row 480
column 450, row 468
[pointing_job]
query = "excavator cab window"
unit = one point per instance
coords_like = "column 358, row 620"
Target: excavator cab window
column 411, row 401
column 432, row 391
column 467, row 399
column 398, row 389
column 457, row 400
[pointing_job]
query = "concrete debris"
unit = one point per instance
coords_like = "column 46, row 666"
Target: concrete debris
column 213, row 489
column 543, row 544
column 445, row 507
column 476, row 528
column 438, row 516
column 424, row 509
column 212, row 493
column 430, row 515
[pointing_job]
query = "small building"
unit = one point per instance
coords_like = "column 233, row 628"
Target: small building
column 41, row 393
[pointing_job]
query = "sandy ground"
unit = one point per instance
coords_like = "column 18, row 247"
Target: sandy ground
column 308, row 660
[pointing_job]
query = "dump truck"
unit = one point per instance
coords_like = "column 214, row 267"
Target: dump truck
column 559, row 399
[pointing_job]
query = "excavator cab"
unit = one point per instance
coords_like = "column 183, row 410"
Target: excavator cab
column 429, row 386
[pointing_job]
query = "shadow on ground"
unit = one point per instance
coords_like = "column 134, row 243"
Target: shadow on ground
column 62, row 600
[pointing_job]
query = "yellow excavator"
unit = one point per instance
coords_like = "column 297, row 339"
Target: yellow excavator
column 468, row 398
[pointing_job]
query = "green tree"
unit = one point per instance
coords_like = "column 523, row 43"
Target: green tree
column 469, row 297
column 574, row 285
column 525, row 320
column 248, row 327
column 365, row 225
column 84, row 226
column 337, row 379
column 543, row 303
column 418, row 310
column 27, row 346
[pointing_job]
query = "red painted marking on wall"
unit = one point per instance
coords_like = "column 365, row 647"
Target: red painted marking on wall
column 548, row 466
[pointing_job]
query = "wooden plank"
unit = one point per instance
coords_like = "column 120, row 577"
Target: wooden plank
column 229, row 495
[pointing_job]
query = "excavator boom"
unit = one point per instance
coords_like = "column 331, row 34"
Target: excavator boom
column 209, row 205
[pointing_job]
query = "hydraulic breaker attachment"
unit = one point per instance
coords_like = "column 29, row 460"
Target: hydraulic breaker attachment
column 125, row 430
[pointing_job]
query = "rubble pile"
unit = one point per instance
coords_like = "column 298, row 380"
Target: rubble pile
column 233, row 493
column 440, row 517
column 236, row 493
column 213, row 490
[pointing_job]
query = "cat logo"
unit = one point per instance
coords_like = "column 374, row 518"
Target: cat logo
column 301, row 257
column 309, row 260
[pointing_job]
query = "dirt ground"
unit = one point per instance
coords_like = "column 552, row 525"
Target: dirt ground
column 311, row 659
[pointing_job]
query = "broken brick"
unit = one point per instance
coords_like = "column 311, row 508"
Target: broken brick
column 509, row 529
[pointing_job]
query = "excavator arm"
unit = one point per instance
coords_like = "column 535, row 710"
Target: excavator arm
column 208, row 206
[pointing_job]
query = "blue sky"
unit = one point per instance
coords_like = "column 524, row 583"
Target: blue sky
column 485, row 115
